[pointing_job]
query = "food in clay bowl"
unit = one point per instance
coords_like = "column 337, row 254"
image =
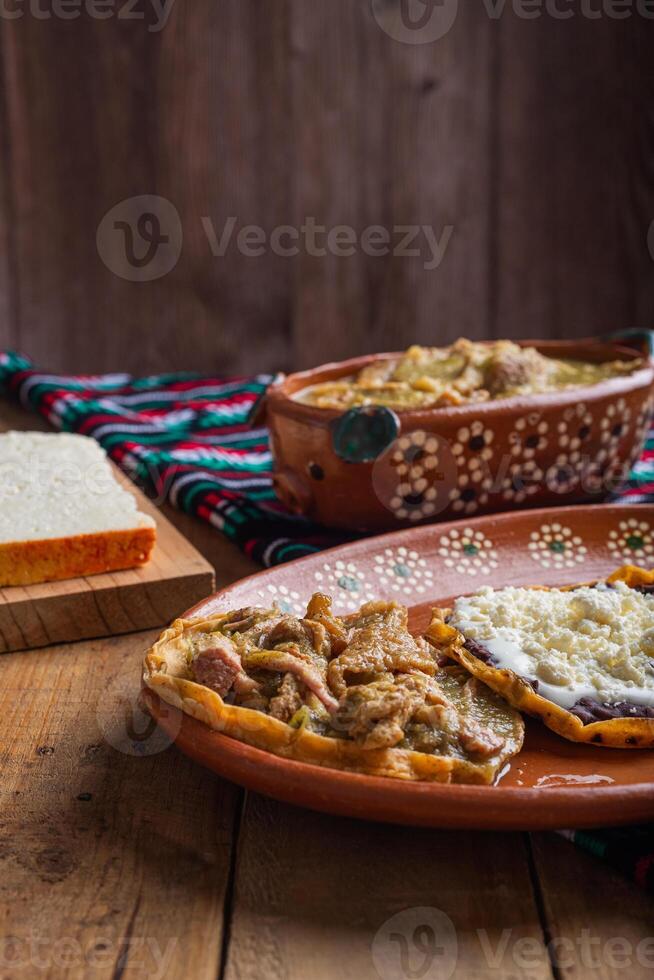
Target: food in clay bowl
column 391, row 440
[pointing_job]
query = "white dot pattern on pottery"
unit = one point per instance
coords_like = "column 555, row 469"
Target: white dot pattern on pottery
column 473, row 442
column 529, row 437
column 468, row 552
column 402, row 571
column 346, row 583
column 565, row 473
column 415, row 459
column 574, row 431
column 632, row 542
column 613, row 427
column 285, row 599
column 556, row 546
column 522, row 480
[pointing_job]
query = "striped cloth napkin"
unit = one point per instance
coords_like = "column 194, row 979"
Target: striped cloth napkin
column 185, row 439
column 629, row 850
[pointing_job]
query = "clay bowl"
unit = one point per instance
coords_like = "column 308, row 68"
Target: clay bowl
column 377, row 470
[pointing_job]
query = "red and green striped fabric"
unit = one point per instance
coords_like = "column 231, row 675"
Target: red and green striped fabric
column 183, row 438
column 186, row 439
column 630, row 850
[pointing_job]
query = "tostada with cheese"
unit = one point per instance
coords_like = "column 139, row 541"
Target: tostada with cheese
column 358, row 692
column 580, row 657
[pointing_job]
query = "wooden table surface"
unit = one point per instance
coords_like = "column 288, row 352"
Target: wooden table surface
column 115, row 864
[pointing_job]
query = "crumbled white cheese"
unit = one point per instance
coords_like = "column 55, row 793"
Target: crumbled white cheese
column 593, row 642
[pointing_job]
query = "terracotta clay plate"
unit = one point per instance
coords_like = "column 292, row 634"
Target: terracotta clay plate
column 552, row 783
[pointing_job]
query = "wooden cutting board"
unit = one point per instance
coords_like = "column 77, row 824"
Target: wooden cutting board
column 176, row 577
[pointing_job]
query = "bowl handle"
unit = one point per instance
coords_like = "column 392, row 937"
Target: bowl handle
column 362, row 434
column 257, row 414
column 638, row 337
column 293, row 491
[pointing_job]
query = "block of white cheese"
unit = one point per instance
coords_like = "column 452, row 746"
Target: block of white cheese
column 63, row 513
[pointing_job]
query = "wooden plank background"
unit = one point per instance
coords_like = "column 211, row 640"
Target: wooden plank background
column 531, row 137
